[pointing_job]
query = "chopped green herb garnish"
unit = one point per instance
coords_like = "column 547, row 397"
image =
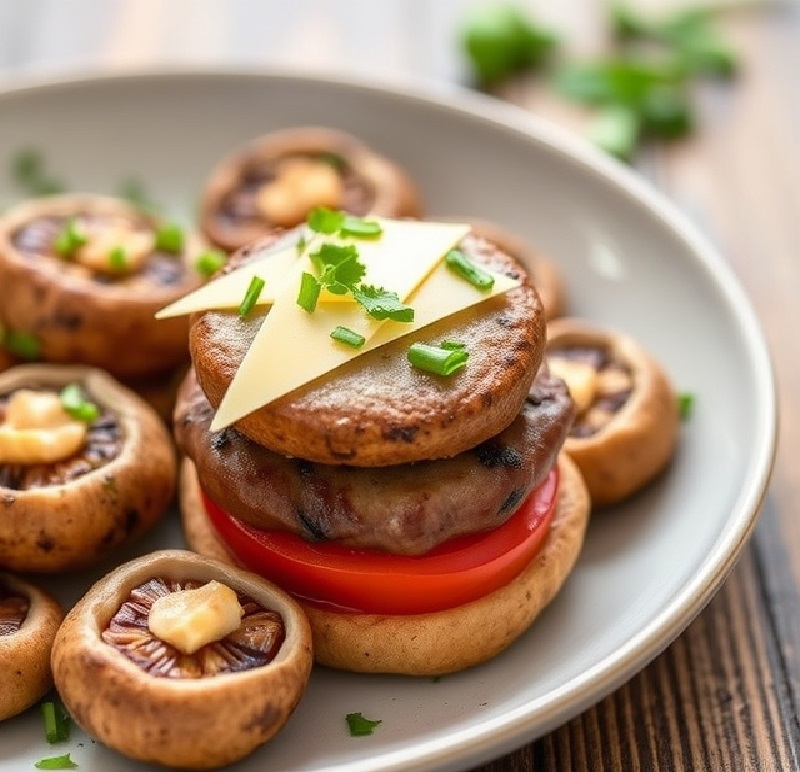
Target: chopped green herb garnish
column 56, row 762
column 75, row 404
column 134, row 191
column 437, row 360
column 301, row 244
column 118, row 258
column 685, row 405
column 339, row 267
column 308, row 294
column 349, row 337
column 56, row 722
column 337, row 161
column 381, row 304
column 169, row 238
column 359, row 228
column 452, row 345
column 501, row 41
column 615, row 129
column 324, row 220
column 251, row 296
column 467, row 269
column 31, row 176
column 360, row 726
column 69, row 239
column 22, row 344
column 209, row 262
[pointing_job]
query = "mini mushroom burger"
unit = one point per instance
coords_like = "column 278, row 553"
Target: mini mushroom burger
column 85, row 467
column 82, row 276
column 274, row 181
column 29, row 620
column 383, row 443
column 182, row 661
column 626, row 428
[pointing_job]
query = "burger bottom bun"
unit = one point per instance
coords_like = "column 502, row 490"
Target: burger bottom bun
column 442, row 642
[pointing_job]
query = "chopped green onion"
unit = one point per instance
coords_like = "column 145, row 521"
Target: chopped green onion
column 359, row 228
column 56, row 762
column 452, row 345
column 308, row 295
column 56, row 722
column 169, row 238
column 133, row 190
column 460, row 264
column 360, row 726
column 30, row 174
column 349, row 337
column 685, row 405
column 337, row 161
column 69, row 239
column 301, row 244
column 324, row 220
column 22, row 344
column 382, row 304
column 209, row 262
column 615, row 129
column 437, row 360
column 76, row 405
column 118, row 258
column 251, row 296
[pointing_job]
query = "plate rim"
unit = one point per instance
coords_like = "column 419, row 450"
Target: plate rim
column 523, row 724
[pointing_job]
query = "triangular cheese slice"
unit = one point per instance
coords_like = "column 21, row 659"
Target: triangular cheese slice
column 293, row 347
column 399, row 260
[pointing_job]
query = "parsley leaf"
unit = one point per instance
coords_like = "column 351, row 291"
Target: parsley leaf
column 382, row 304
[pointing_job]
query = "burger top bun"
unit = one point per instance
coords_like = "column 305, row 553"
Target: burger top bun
column 378, row 409
column 442, row 642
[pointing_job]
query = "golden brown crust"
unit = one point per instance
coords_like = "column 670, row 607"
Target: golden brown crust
column 177, row 722
column 61, row 527
column 379, row 410
column 80, row 321
column 641, row 438
column 431, row 644
column 395, row 195
column 543, row 273
column 25, row 653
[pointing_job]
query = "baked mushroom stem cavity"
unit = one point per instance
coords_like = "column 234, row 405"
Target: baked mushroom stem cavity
column 208, row 706
column 85, row 466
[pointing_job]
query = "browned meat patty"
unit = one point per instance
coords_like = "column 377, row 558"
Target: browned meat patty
column 406, row 509
column 378, row 409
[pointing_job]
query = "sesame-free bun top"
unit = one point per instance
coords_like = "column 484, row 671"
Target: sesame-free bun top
column 379, row 410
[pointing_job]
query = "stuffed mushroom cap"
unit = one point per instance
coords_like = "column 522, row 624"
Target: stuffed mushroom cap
column 273, row 181
column 84, row 276
column 181, row 715
column 72, row 512
column 626, row 429
column 29, row 620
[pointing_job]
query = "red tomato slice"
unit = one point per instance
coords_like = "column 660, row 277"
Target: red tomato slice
column 358, row 580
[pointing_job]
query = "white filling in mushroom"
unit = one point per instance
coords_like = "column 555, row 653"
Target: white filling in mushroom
column 300, row 184
column 38, row 430
column 112, row 245
column 191, row 619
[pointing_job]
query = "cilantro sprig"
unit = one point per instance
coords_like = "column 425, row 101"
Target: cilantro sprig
column 339, row 269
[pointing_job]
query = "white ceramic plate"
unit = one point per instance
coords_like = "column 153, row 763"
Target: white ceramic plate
column 628, row 260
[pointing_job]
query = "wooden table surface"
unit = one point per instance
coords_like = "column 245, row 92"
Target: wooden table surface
column 725, row 695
